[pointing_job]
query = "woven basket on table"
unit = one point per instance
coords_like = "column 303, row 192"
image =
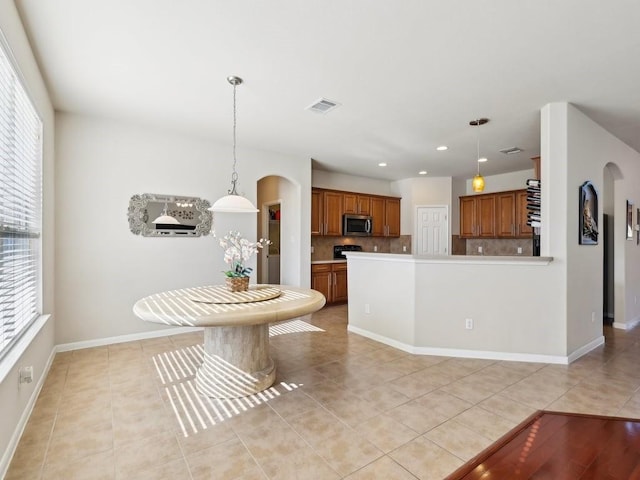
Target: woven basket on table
column 237, row 284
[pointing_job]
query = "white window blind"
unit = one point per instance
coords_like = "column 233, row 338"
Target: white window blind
column 20, row 206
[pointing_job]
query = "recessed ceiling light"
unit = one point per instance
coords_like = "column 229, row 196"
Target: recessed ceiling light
column 442, row 148
column 382, row 164
column 422, row 172
column 482, row 160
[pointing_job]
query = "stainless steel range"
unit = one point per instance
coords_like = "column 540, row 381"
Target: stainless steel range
column 339, row 249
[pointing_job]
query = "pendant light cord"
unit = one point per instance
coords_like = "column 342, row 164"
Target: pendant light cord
column 234, row 175
column 478, row 147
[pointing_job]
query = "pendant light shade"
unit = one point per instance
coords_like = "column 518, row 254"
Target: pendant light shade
column 477, row 184
column 234, row 202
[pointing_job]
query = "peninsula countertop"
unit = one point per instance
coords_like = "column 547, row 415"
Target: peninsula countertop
column 452, row 259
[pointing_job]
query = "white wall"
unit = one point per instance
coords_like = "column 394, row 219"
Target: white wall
column 350, row 183
column 420, row 191
column 423, row 303
column 502, row 182
column 104, row 268
column 13, row 399
column 580, row 156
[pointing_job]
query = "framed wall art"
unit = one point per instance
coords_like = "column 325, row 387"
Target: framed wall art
column 588, row 214
column 629, row 220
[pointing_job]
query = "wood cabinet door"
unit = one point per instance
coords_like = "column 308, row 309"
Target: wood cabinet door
column 377, row 217
column 467, row 217
column 486, row 215
column 392, row 217
column 333, row 210
column 317, row 212
column 522, row 229
column 340, row 292
column 350, row 204
column 321, row 280
column 364, row 205
column 506, row 215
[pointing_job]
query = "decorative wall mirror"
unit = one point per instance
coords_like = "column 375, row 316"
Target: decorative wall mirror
column 153, row 215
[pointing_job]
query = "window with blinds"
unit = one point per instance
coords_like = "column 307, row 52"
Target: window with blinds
column 20, row 206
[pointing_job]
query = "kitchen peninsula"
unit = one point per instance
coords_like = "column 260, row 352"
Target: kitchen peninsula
column 503, row 308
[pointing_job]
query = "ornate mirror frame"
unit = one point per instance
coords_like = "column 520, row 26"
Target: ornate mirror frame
column 195, row 219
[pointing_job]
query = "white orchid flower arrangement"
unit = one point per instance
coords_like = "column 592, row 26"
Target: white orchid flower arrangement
column 237, row 250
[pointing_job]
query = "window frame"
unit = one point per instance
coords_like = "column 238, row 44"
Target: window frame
column 11, row 352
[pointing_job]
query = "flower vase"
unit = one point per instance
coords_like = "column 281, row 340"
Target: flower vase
column 237, row 284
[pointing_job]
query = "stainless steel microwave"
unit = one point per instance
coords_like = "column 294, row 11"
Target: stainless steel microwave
column 356, row 225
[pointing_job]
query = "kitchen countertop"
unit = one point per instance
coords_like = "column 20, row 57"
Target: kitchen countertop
column 453, row 259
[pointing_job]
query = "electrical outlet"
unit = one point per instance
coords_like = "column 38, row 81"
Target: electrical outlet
column 312, row 249
column 404, row 248
column 519, row 250
column 375, row 248
column 479, row 249
column 468, row 323
column 26, row 374
column 367, row 308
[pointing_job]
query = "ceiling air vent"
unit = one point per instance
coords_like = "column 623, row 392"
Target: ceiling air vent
column 511, row 150
column 322, row 105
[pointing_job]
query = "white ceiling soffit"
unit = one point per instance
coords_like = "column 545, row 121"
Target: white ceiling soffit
column 408, row 75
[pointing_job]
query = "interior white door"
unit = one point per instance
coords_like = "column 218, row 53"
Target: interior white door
column 432, row 230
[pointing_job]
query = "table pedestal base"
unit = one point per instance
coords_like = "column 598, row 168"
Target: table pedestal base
column 236, row 361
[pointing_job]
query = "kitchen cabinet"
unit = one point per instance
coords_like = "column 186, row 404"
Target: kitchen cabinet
column 330, row 279
column 478, row 216
column 385, row 213
column 357, row 204
column 522, row 229
column 328, row 207
column 505, row 214
column 495, row 215
column 326, row 212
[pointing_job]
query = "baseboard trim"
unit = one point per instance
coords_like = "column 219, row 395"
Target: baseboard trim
column 628, row 325
column 5, row 461
column 100, row 342
column 583, row 350
column 454, row 352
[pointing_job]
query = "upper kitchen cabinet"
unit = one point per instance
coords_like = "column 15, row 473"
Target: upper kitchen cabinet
column 495, row 215
column 328, row 207
column 385, row 213
column 326, row 212
column 522, row 229
column 357, row 204
column 478, row 216
column 506, row 214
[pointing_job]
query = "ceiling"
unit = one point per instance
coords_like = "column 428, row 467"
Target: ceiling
column 409, row 75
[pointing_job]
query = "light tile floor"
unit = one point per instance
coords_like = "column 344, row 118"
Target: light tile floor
column 343, row 406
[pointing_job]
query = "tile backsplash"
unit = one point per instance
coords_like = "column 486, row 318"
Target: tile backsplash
column 323, row 246
column 500, row 246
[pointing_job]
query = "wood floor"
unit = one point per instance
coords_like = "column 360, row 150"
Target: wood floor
column 559, row 446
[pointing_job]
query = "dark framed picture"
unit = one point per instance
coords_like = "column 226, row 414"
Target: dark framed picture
column 629, row 220
column 637, row 227
column 588, row 214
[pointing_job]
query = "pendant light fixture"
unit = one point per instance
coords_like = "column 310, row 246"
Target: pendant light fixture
column 234, row 202
column 165, row 218
column 478, row 181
